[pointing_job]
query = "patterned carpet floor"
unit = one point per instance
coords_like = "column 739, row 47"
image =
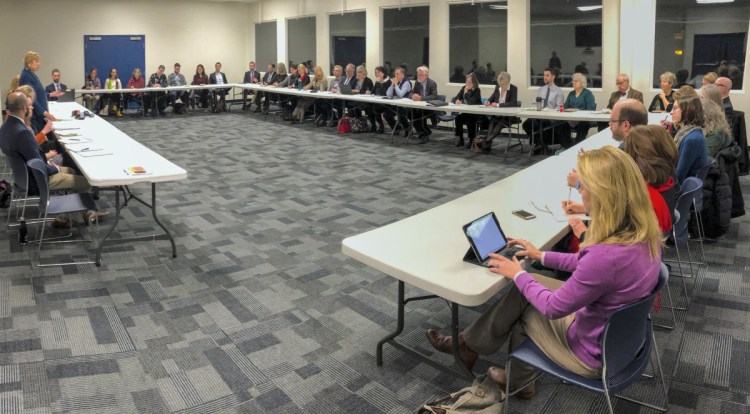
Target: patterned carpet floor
column 262, row 313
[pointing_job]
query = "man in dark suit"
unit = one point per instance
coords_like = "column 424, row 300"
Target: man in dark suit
column 624, row 91
column 425, row 89
column 219, row 94
column 17, row 141
column 268, row 79
column 251, row 76
column 55, row 89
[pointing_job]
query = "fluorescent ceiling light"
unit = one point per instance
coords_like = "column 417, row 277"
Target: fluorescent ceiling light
column 714, row 1
column 590, row 8
column 498, row 7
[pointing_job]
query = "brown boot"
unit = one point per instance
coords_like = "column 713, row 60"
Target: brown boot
column 498, row 376
column 445, row 344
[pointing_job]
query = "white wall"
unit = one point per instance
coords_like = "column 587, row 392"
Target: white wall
column 55, row 29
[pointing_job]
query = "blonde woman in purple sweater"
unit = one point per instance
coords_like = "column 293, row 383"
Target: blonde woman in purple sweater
column 617, row 265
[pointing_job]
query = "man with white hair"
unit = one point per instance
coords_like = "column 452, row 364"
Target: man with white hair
column 624, row 91
column 425, row 89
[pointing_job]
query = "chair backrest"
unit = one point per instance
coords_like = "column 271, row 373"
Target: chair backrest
column 519, row 104
column 690, row 187
column 39, row 170
column 20, row 174
column 441, row 98
column 625, row 339
column 703, row 171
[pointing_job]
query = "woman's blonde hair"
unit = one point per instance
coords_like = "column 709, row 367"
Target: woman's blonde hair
column 30, row 57
column 26, row 90
column 710, row 77
column 14, row 81
column 281, row 68
column 619, row 205
column 319, row 75
column 363, row 69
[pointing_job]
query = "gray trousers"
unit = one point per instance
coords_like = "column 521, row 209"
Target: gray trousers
column 513, row 317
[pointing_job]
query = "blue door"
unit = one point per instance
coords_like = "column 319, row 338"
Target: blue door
column 122, row 52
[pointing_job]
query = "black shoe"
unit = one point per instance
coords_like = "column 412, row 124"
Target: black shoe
column 333, row 123
column 468, row 144
column 423, row 138
column 460, row 143
column 380, row 130
column 257, row 110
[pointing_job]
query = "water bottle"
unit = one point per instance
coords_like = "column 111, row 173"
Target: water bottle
column 23, row 232
column 539, row 104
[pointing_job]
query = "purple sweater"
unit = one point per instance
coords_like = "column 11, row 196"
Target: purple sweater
column 605, row 278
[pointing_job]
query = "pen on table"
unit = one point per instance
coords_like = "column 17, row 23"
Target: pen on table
column 125, row 171
column 85, row 149
column 666, row 117
column 570, row 190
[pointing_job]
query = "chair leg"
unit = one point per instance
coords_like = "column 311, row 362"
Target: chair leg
column 671, row 307
column 663, row 384
column 506, row 408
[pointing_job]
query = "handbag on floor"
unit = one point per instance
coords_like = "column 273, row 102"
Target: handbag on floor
column 482, row 397
column 345, row 125
column 360, row 125
column 477, row 146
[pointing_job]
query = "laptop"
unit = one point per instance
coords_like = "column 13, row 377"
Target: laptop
column 485, row 236
column 345, row 89
column 68, row 96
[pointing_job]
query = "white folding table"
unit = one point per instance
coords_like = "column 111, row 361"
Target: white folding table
column 105, row 155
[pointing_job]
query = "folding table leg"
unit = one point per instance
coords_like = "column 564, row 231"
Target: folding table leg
column 399, row 327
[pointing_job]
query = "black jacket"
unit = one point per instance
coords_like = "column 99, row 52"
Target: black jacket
column 473, row 97
column 722, row 196
column 511, row 97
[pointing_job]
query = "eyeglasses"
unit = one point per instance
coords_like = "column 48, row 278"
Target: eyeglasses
column 617, row 121
column 620, row 82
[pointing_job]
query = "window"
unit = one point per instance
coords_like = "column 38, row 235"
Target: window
column 406, row 38
column 265, row 44
column 478, row 40
column 301, row 41
column 566, row 36
column 693, row 39
column 347, row 39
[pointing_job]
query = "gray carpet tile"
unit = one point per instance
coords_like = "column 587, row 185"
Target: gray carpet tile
column 261, row 313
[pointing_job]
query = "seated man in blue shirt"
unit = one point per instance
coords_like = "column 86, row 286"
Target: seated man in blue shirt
column 400, row 88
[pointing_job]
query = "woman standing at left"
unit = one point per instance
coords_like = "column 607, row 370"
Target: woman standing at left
column 31, row 64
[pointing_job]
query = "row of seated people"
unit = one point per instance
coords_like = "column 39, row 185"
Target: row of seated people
column 353, row 80
column 630, row 196
column 155, row 102
column 505, row 94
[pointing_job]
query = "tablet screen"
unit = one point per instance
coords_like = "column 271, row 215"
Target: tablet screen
column 486, row 236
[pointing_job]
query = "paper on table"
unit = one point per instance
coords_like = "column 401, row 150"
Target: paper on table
column 74, row 141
